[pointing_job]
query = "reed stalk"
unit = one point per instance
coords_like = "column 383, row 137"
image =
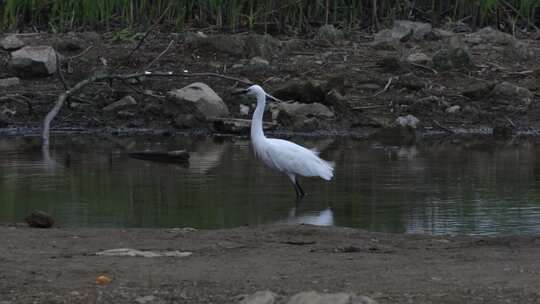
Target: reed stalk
column 240, row 15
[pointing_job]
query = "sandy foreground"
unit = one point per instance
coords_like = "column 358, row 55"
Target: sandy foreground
column 60, row 265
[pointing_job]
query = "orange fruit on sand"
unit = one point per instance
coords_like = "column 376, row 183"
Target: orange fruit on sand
column 103, row 280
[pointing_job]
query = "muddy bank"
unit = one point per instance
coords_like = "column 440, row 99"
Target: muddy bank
column 60, row 265
column 354, row 83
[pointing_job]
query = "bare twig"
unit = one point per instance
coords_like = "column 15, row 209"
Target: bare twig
column 150, row 29
column 386, row 87
column 443, row 127
column 81, row 53
column 148, row 66
column 59, row 72
column 424, row 67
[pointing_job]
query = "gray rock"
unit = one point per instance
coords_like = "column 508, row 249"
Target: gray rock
column 11, row 81
column 478, row 91
column 145, row 299
column 490, row 35
column 506, row 92
column 125, row 102
column 419, row 57
column 33, row 61
column 259, row 61
column 201, row 99
column 524, row 50
column 402, row 31
column 329, row 33
column 306, row 91
column 40, row 219
column 11, row 43
column 420, row 30
column 453, row 109
column 409, row 121
column 260, row 297
column 456, row 56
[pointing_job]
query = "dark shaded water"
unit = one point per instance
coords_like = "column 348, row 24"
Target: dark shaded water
column 471, row 187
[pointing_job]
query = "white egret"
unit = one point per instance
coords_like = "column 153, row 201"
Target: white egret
column 282, row 155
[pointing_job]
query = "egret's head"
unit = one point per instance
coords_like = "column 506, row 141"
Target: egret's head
column 257, row 91
column 254, row 90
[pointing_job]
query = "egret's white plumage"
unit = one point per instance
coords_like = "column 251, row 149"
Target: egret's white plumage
column 283, row 155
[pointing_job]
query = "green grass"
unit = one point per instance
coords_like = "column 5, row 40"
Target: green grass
column 234, row 15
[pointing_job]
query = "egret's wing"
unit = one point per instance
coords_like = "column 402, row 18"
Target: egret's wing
column 291, row 158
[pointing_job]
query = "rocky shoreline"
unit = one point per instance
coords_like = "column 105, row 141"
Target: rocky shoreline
column 407, row 79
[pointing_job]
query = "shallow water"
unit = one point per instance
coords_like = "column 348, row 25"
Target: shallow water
column 434, row 187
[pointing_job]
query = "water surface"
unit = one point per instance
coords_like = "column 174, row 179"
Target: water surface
column 434, row 187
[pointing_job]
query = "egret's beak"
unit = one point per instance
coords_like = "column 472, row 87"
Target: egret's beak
column 273, row 98
column 240, row 92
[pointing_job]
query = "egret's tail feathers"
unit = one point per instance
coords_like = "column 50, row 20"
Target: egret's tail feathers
column 327, row 170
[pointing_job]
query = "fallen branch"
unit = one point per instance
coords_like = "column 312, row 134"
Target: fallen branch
column 148, row 66
column 81, row 53
column 122, row 77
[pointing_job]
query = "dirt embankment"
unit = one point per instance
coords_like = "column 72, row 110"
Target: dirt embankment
column 60, row 265
column 446, row 80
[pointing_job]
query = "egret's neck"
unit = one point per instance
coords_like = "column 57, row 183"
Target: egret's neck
column 257, row 120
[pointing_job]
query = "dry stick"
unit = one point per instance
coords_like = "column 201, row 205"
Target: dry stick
column 386, row 87
column 81, row 54
column 147, row 33
column 59, row 72
column 443, row 127
column 424, row 67
column 159, row 56
column 45, row 134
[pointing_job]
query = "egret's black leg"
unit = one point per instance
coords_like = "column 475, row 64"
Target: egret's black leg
column 300, row 190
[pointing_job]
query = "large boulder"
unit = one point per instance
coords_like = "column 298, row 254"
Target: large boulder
column 33, row 61
column 11, row 43
column 199, row 99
